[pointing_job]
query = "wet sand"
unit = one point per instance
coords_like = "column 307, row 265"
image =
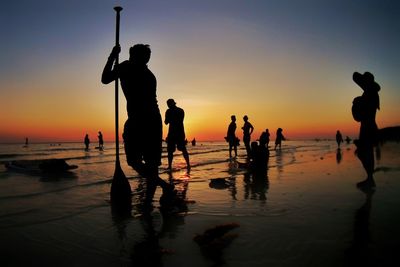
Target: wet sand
column 306, row 212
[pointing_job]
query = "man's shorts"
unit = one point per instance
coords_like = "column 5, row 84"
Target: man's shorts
column 175, row 143
column 143, row 140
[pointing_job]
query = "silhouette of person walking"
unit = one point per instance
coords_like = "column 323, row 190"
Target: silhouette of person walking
column 174, row 116
column 364, row 111
column 87, row 142
column 231, row 136
column 101, row 141
column 143, row 129
column 339, row 138
column 247, row 131
column 279, row 138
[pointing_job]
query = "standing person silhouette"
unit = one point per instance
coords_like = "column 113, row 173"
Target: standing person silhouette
column 231, row 136
column 101, row 141
column 174, row 116
column 264, row 138
column 247, row 131
column 279, row 138
column 339, row 138
column 87, row 142
column 143, row 129
column 364, row 111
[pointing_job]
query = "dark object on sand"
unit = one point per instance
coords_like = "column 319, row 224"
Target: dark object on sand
column 219, row 183
column 214, row 234
column 215, row 239
column 45, row 165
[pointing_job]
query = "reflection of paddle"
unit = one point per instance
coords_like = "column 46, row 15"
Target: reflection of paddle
column 120, row 187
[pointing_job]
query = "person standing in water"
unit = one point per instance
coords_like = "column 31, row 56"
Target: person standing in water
column 101, row 141
column 339, row 138
column 174, row 116
column 364, row 111
column 279, row 138
column 247, row 131
column 87, row 142
column 143, row 129
column 231, row 136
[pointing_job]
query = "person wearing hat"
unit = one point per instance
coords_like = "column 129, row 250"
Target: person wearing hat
column 176, row 133
column 364, row 111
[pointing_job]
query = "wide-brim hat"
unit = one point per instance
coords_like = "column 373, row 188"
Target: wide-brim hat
column 366, row 81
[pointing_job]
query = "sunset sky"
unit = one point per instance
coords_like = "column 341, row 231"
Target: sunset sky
column 284, row 63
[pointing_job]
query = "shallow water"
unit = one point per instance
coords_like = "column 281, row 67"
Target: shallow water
column 306, row 211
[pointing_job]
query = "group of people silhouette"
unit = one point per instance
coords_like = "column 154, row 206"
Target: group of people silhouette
column 143, row 129
column 248, row 129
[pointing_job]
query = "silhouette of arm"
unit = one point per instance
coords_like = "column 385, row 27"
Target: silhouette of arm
column 251, row 128
column 166, row 121
column 109, row 74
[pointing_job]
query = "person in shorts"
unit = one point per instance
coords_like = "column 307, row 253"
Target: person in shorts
column 176, row 139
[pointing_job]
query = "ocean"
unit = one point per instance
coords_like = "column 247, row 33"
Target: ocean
column 305, row 211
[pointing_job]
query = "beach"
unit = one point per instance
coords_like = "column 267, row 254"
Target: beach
column 307, row 211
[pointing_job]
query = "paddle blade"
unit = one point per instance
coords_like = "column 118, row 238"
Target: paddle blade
column 120, row 187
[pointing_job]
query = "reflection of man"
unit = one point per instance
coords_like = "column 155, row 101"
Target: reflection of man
column 176, row 133
column 143, row 129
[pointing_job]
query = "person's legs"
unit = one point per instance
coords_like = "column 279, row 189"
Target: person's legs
column 186, row 156
column 365, row 152
column 171, row 150
column 248, row 150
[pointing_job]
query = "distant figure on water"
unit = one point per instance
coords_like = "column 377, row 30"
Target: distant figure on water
column 174, row 116
column 143, row 129
column 279, row 138
column 101, row 141
column 364, row 111
column 194, row 142
column 348, row 139
column 247, row 131
column 26, row 142
column 87, row 142
column 231, row 136
column 339, row 138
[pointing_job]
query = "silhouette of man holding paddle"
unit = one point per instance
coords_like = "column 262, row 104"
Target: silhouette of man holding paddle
column 143, row 129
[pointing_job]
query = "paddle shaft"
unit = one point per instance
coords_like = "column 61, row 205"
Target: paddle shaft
column 118, row 10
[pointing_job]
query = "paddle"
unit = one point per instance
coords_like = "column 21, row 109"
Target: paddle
column 120, row 187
